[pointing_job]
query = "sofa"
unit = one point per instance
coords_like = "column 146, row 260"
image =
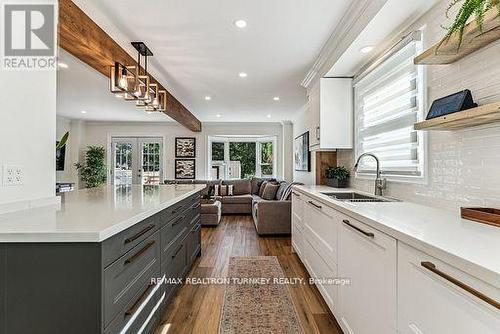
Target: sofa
column 270, row 215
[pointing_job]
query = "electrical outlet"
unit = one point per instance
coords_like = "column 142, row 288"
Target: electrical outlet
column 13, row 175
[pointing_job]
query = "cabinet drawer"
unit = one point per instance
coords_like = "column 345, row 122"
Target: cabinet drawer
column 368, row 258
column 321, row 230
column 297, row 206
column 319, row 269
column 129, row 275
column 135, row 315
column 429, row 303
column 194, row 242
column 123, row 242
column 174, row 264
column 174, row 211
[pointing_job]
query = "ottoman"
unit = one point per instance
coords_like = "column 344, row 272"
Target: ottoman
column 211, row 213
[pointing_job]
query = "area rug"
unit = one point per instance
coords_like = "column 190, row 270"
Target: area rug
column 254, row 307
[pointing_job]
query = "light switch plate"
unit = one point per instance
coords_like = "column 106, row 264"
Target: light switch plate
column 13, row 175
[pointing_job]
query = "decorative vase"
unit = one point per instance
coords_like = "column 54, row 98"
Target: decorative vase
column 336, row 183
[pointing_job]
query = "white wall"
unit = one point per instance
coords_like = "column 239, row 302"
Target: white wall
column 99, row 133
column 301, row 125
column 74, row 150
column 28, row 132
column 463, row 166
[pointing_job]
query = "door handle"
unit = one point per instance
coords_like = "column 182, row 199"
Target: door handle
column 368, row 234
column 432, row 267
column 139, row 234
column 315, row 205
column 139, row 253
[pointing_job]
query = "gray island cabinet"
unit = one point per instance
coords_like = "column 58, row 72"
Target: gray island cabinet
column 112, row 286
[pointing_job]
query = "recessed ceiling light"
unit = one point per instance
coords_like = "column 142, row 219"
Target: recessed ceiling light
column 268, row 116
column 218, row 115
column 62, row 65
column 208, row 98
column 242, row 75
column 240, row 23
column 83, row 112
column 276, row 98
column 366, row 49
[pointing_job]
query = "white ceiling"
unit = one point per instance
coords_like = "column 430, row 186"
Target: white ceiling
column 389, row 23
column 198, row 52
column 80, row 87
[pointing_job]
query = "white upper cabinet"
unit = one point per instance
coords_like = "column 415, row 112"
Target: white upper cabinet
column 331, row 114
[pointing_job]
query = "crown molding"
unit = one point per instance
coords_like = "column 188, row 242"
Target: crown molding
column 356, row 18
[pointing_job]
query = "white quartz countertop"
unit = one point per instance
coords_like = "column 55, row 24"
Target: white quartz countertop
column 91, row 215
column 471, row 246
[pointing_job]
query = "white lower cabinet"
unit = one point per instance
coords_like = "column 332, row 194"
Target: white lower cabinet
column 431, row 304
column 394, row 288
column 368, row 258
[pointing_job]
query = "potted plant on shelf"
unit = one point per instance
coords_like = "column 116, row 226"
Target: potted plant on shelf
column 469, row 8
column 337, row 177
column 94, row 172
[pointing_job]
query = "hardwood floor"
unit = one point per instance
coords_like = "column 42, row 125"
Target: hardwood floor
column 197, row 308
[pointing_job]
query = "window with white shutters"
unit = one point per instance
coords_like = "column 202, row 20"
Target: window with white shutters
column 389, row 99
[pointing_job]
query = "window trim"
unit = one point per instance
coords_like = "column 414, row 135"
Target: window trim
column 417, row 35
column 257, row 139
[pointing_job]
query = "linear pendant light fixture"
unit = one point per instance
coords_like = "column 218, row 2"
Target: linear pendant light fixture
column 134, row 84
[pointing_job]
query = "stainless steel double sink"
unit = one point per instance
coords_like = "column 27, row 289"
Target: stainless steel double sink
column 356, row 197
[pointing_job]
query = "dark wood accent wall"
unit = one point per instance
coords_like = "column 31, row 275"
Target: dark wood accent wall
column 324, row 159
column 84, row 39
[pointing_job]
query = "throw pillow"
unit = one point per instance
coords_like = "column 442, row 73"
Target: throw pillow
column 216, row 190
column 281, row 189
column 223, row 190
column 270, row 191
column 230, row 190
column 262, row 187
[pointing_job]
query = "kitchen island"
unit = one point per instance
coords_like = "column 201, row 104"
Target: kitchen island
column 95, row 263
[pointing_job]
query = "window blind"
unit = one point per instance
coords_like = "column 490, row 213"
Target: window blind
column 388, row 101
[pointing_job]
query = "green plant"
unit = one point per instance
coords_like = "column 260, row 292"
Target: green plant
column 61, row 143
column 340, row 173
column 94, row 172
column 478, row 8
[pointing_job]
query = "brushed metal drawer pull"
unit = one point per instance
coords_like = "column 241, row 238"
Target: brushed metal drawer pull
column 296, row 194
column 178, row 220
column 432, row 267
column 196, row 228
column 140, row 234
column 194, row 207
column 177, row 251
column 139, row 253
column 368, row 234
column 139, row 301
column 315, row 205
column 178, row 209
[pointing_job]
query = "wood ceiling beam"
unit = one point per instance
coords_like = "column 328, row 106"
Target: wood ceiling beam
column 84, row 39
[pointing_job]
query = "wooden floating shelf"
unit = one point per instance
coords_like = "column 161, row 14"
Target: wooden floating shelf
column 481, row 115
column 473, row 40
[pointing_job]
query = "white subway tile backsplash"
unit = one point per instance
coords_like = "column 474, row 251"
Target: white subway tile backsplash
column 463, row 166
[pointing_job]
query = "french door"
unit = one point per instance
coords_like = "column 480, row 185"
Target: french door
column 137, row 160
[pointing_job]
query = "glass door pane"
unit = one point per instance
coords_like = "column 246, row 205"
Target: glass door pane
column 242, row 160
column 124, row 161
column 151, row 161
